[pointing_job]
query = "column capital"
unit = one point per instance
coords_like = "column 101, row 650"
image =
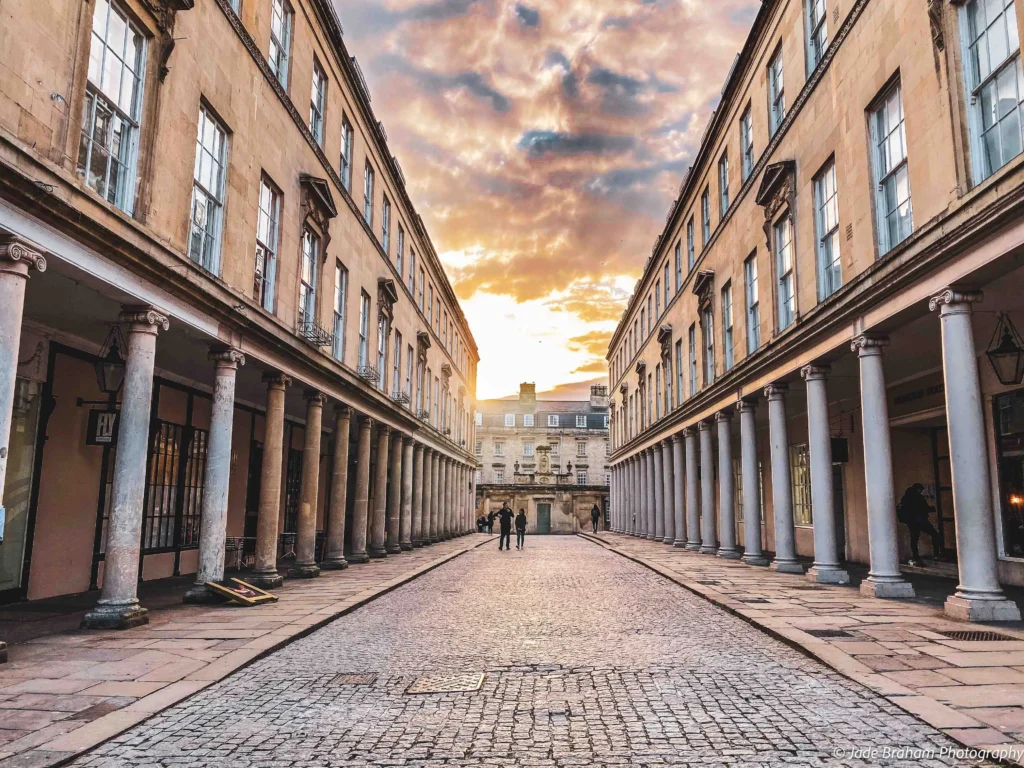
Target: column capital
column 677, row 438
column 865, row 345
column 383, row 429
column 747, row 406
column 667, row 441
column 953, row 301
column 143, row 319
column 365, row 422
column 689, row 431
column 724, row 415
column 776, row 391
column 276, row 379
column 226, row 357
column 815, row 372
column 18, row 256
column 345, row 411
column 407, row 439
column 704, row 425
column 315, row 397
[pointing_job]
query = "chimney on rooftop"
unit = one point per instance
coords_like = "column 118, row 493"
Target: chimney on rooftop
column 528, row 395
column 599, row 396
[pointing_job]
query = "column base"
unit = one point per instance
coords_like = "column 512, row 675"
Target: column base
column 418, row 544
column 668, row 540
column 787, row 566
column 973, row 609
column 827, row 575
column 116, row 616
column 679, row 544
column 3, row 652
column 709, row 549
column 752, row 559
column 198, row 594
column 693, row 546
column 652, row 537
column 728, row 554
column 304, row 571
column 406, row 546
column 887, row 590
column 265, row 579
column 334, row 564
column 358, row 558
column 377, row 553
column 393, row 549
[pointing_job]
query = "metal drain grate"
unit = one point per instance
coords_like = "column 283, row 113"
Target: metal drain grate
column 754, row 600
column 707, row 582
column 355, row 678
column 828, row 633
column 447, row 684
column 807, row 589
column 971, row 636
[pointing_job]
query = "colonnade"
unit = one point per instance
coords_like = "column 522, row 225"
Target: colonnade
column 665, row 490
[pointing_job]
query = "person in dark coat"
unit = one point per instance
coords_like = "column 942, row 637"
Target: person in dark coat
column 914, row 511
column 490, row 521
column 521, row 529
column 595, row 516
column 505, row 516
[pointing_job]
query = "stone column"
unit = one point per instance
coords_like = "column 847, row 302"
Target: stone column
column 378, row 523
column 658, row 480
column 678, row 489
column 417, row 496
column 360, row 507
column 979, row 597
column 782, row 489
column 651, row 495
column 726, row 489
column 435, row 498
column 334, row 552
column 750, row 472
column 213, row 523
column 709, row 524
column 885, row 578
column 16, row 259
column 405, row 522
column 692, row 490
column 393, row 541
column 442, row 497
column 631, row 521
column 264, row 573
column 668, row 474
column 449, row 488
column 826, row 568
column 305, row 566
column 118, row 606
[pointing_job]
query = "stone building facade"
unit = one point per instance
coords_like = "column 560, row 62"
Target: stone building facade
column 223, row 326
column 829, row 316
column 548, row 457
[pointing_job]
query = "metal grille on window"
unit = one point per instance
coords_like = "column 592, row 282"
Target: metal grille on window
column 800, row 467
column 292, row 490
column 174, row 488
column 110, row 123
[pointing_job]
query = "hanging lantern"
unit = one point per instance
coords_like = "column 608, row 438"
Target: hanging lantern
column 1006, row 352
column 110, row 366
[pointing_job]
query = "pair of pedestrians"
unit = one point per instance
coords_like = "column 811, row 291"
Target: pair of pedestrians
column 505, row 521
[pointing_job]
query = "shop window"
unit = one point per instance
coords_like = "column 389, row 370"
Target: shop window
column 800, row 469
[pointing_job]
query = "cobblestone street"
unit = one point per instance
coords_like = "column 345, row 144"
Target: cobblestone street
column 588, row 659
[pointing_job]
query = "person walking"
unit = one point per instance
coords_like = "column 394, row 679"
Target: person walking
column 505, row 516
column 521, row 529
column 490, row 520
column 595, row 516
column 914, row 511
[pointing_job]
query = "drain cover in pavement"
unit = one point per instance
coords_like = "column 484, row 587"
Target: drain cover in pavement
column 827, row 633
column 447, row 684
column 976, row 636
column 754, row 600
column 355, row 678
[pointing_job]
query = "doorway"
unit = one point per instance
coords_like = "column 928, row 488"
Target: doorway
column 944, row 510
column 14, row 532
column 543, row 518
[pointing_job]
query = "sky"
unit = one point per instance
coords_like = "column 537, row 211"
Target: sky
column 543, row 144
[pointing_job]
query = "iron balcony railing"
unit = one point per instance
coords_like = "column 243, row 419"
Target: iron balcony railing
column 401, row 398
column 368, row 373
column 314, row 333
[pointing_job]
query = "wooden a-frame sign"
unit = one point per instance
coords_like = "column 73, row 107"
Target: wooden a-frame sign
column 237, row 591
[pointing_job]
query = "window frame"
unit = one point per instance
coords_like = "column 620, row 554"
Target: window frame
column 752, row 302
column 209, row 262
column 785, row 277
column 776, row 92
column 340, row 307
column 318, row 102
column 830, row 275
column 345, row 154
column 280, row 63
column 728, row 337
column 746, row 143
column 265, row 294
column 814, row 30
column 723, row 184
column 878, row 110
column 369, row 180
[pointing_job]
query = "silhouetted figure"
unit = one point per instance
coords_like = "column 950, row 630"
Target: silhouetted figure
column 913, row 511
column 521, row 529
column 505, row 516
column 490, row 521
column 595, row 516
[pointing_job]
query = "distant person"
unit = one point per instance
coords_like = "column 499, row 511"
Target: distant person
column 505, row 516
column 521, row 529
column 481, row 524
column 914, row 511
column 595, row 516
column 490, row 521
